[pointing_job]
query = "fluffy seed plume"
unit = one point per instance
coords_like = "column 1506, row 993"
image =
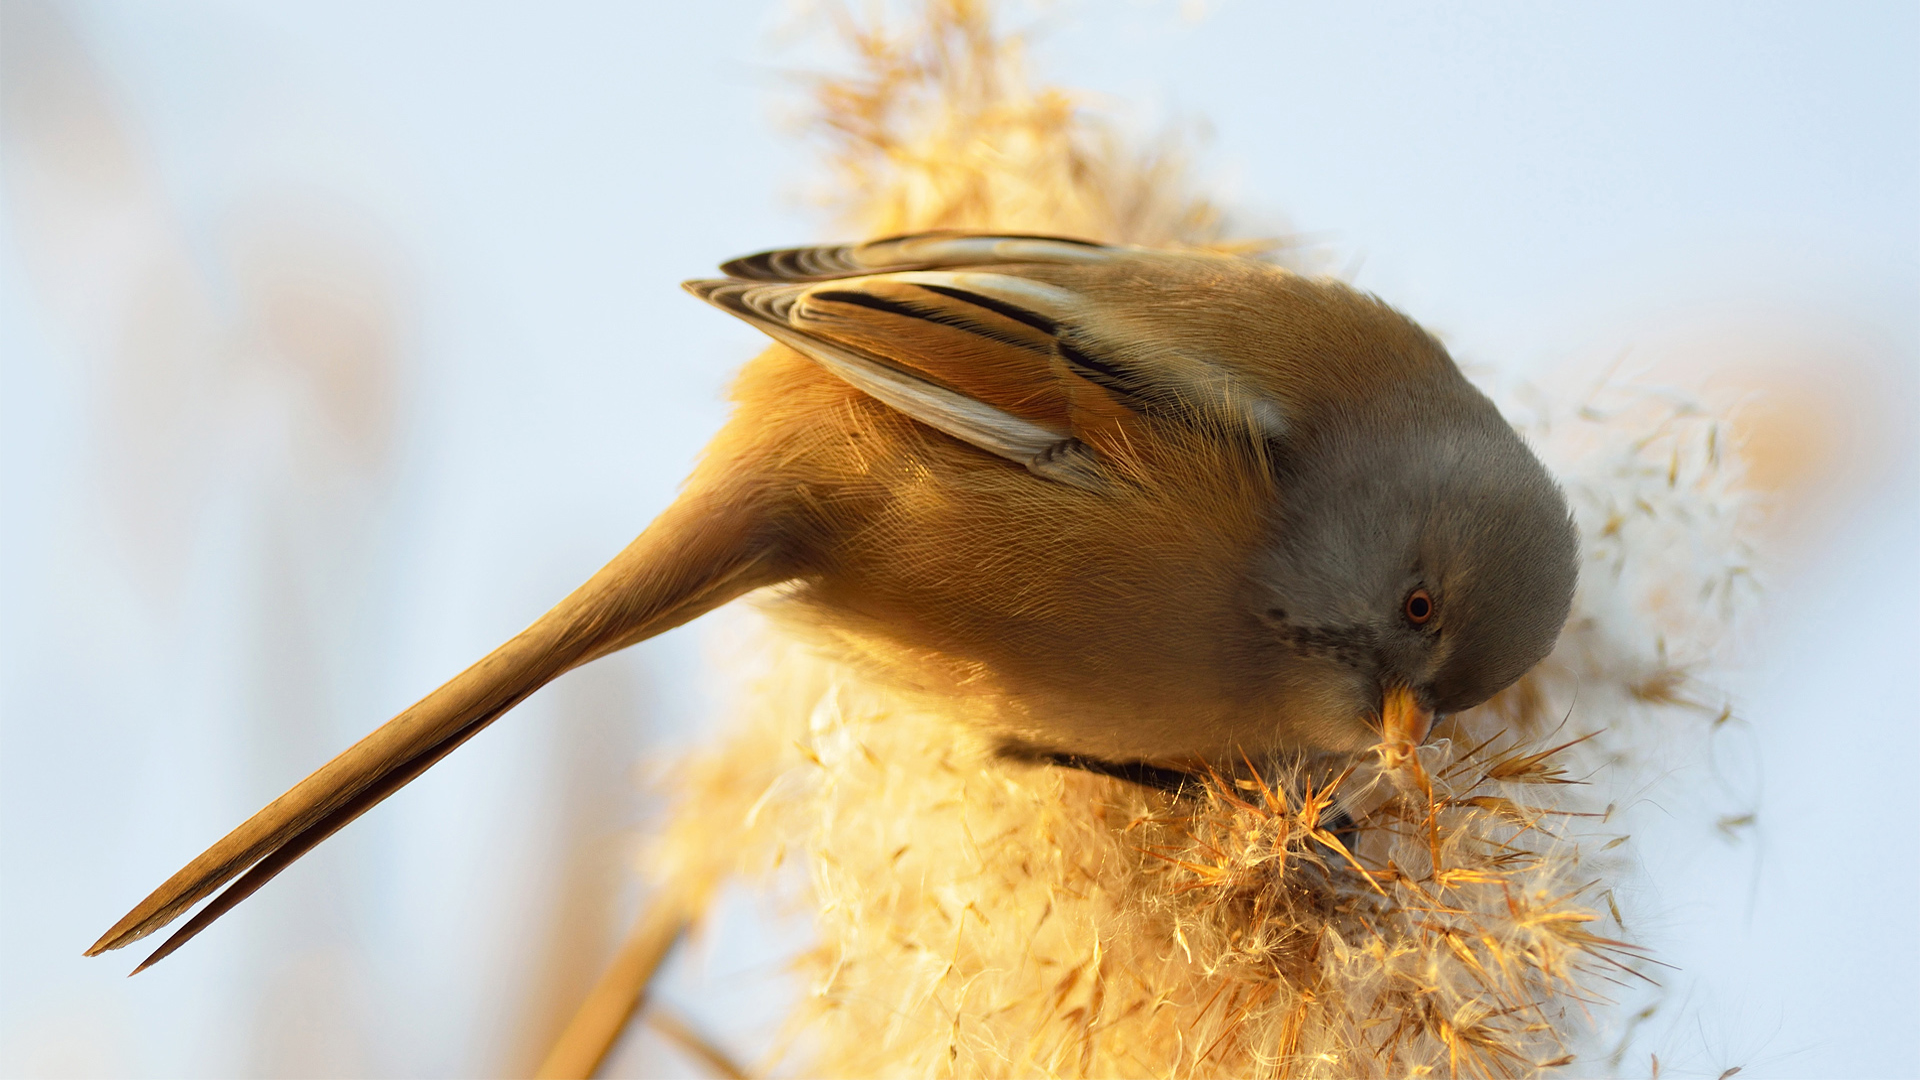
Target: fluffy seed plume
column 1447, row 911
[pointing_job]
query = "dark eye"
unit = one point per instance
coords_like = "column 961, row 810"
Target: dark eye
column 1419, row 606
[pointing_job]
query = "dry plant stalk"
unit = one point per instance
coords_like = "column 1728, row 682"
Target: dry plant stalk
column 619, row 993
column 1448, row 913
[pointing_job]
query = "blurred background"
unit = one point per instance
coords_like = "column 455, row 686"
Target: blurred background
column 339, row 340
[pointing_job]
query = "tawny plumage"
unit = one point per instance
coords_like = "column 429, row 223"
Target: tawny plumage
column 1136, row 510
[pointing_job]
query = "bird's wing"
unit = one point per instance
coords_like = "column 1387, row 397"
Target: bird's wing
column 982, row 337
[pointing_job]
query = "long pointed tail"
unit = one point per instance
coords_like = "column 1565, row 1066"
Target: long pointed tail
column 705, row 550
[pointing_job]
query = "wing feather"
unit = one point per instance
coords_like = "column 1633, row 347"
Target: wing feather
column 918, row 251
column 970, row 419
column 986, row 338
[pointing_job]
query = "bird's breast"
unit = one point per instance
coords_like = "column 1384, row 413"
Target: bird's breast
column 1117, row 621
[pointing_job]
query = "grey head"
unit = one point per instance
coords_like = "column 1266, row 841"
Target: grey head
column 1420, row 546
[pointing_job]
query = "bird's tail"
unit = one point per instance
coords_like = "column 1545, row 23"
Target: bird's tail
column 704, row 550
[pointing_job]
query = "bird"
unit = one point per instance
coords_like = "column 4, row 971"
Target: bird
column 1140, row 511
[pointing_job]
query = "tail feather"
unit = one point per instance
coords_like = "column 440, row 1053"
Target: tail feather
column 701, row 553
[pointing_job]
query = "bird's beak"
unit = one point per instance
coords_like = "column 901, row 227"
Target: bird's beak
column 1404, row 723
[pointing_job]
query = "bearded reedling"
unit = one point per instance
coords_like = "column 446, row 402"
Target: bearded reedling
column 1147, row 512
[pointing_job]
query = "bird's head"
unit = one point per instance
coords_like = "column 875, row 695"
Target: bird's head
column 1424, row 560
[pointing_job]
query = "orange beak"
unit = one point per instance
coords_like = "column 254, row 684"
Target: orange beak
column 1404, row 723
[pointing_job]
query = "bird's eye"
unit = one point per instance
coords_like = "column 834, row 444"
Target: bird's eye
column 1419, row 606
